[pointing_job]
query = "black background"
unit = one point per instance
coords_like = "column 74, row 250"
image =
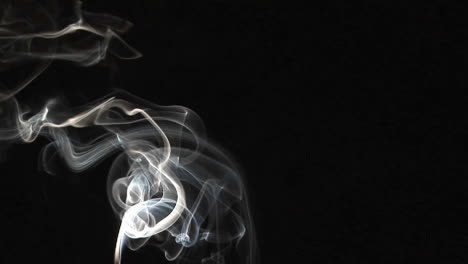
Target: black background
column 352, row 147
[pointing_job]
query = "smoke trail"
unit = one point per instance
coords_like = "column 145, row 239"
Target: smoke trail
column 168, row 184
column 30, row 33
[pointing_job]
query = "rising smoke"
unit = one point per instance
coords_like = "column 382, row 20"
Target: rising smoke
column 168, row 184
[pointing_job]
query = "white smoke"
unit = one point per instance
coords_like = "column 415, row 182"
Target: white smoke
column 168, row 184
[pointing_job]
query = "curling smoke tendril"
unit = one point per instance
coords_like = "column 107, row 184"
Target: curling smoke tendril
column 168, row 184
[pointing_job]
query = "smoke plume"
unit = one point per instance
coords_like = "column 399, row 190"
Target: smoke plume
column 168, row 184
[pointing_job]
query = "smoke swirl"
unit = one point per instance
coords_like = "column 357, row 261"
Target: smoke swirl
column 168, row 184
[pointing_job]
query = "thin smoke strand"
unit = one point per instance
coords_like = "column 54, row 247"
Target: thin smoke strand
column 169, row 186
